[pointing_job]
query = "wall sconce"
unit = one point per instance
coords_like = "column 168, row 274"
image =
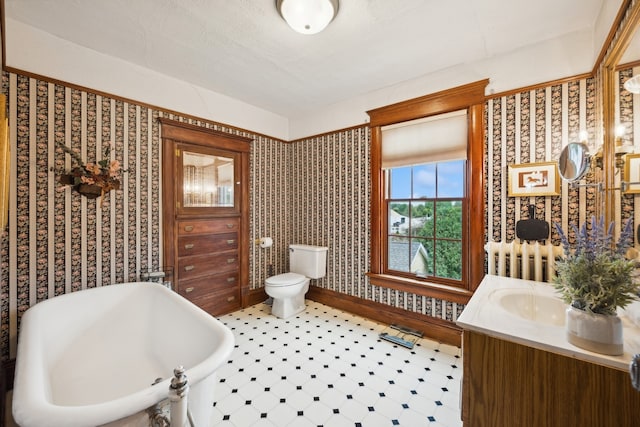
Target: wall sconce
column 584, row 137
column 307, row 16
column 622, row 146
column 633, row 84
column 595, row 158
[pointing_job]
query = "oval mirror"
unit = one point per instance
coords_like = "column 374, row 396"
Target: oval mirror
column 574, row 161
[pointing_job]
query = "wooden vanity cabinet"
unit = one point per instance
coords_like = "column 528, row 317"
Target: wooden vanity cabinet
column 205, row 208
column 509, row 384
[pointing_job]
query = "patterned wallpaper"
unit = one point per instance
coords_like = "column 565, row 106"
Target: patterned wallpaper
column 58, row 241
column 531, row 127
column 313, row 191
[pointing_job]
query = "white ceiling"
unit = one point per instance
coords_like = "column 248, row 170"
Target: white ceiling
column 243, row 48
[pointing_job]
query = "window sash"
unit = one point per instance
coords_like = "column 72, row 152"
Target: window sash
column 391, row 265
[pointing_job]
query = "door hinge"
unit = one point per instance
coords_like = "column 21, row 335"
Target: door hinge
column 177, row 205
column 177, row 152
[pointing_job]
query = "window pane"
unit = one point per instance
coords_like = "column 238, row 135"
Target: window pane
column 399, row 254
column 424, row 181
column 449, row 259
column 422, row 219
column 400, row 183
column 449, row 219
column 399, row 218
column 422, row 261
column 451, row 179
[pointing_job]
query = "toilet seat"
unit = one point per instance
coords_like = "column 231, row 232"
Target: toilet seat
column 285, row 279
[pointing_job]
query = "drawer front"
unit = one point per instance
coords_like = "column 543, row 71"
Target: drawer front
column 197, row 245
column 203, row 286
column 208, row 226
column 202, row 265
column 220, row 302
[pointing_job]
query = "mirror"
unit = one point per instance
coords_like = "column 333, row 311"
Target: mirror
column 207, row 180
column 574, row 161
column 618, row 109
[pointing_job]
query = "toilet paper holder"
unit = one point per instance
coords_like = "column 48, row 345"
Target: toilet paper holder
column 264, row 242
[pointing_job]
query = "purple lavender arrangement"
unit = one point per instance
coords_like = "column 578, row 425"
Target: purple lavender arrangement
column 595, row 275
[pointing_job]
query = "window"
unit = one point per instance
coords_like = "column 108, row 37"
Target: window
column 428, row 205
column 425, row 206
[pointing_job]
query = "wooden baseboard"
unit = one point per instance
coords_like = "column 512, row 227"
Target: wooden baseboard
column 253, row 296
column 6, row 384
column 436, row 329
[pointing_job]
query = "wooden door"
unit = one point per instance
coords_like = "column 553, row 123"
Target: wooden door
column 205, row 214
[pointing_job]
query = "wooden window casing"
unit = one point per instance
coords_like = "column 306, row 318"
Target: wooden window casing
column 472, row 98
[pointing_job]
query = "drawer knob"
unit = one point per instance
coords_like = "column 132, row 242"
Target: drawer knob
column 188, row 228
column 189, row 289
column 231, row 241
column 231, row 279
column 189, row 267
column 231, row 298
column 189, row 246
column 231, row 260
column 230, row 225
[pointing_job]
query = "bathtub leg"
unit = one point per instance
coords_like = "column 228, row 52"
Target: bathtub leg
column 157, row 417
column 178, row 397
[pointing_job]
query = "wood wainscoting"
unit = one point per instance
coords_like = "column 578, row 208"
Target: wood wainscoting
column 437, row 329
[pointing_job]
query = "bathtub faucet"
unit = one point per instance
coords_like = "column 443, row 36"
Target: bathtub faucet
column 144, row 276
column 162, row 277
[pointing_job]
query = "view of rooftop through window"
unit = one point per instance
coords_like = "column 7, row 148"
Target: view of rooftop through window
column 425, row 205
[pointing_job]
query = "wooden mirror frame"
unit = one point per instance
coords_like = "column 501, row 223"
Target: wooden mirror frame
column 617, row 49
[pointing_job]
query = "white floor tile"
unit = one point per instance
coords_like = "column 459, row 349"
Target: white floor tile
column 325, row 367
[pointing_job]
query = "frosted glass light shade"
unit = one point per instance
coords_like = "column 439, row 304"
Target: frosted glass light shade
column 308, row 16
column 633, row 84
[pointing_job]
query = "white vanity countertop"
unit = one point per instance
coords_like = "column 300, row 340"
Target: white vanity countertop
column 491, row 311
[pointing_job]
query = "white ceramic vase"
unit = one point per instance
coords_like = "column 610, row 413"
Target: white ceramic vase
column 594, row 332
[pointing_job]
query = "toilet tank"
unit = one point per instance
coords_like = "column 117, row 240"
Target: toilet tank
column 308, row 260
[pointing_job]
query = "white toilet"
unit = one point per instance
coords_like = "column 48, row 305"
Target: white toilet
column 288, row 289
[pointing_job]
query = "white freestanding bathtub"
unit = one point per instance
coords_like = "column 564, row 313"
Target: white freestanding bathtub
column 90, row 358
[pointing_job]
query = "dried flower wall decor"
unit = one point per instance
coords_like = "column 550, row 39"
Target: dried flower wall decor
column 92, row 180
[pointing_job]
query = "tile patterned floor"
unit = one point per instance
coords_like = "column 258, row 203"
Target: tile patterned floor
column 325, row 367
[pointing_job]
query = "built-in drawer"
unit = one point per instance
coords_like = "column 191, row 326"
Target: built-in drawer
column 204, row 244
column 203, row 265
column 208, row 226
column 203, row 286
column 217, row 303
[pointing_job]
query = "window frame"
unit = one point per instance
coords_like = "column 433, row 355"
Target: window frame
column 472, row 98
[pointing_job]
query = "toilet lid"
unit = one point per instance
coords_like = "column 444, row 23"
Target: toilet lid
column 285, row 279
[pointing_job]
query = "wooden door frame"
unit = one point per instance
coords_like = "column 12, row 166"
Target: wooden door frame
column 173, row 132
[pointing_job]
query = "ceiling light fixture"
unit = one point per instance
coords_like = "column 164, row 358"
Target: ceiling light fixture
column 307, row 16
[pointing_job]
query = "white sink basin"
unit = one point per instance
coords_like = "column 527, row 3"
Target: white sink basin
column 533, row 307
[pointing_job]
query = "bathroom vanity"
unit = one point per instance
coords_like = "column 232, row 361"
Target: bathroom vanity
column 519, row 369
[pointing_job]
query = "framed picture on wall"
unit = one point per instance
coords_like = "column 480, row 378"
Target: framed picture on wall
column 632, row 174
column 533, row 179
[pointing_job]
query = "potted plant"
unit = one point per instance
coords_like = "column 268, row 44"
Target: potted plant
column 595, row 278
